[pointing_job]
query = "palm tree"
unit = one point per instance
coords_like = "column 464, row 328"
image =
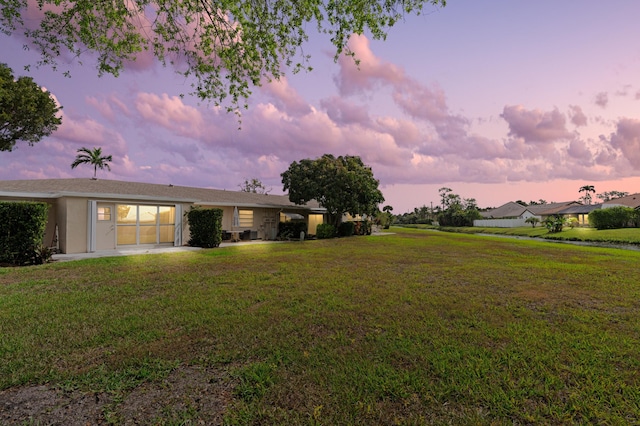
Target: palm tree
column 92, row 156
column 587, row 189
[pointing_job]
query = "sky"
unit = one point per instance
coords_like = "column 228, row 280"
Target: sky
column 498, row 100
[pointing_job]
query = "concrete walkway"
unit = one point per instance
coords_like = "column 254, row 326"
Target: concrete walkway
column 158, row 250
column 144, row 250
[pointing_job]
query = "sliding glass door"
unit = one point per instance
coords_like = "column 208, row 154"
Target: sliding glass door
column 145, row 224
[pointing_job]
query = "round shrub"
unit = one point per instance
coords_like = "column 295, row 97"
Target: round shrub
column 325, row 230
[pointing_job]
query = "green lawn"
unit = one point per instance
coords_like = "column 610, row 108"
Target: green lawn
column 623, row 236
column 412, row 328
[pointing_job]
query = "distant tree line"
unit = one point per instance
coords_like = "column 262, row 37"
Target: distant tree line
column 452, row 211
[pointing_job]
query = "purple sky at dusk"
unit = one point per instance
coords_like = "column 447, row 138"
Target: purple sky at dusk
column 498, row 100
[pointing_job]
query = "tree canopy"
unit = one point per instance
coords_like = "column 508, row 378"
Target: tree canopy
column 340, row 185
column 459, row 211
column 254, row 185
column 612, row 195
column 587, row 189
column 27, row 113
column 226, row 45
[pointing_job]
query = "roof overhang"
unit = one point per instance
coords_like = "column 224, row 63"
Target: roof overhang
column 293, row 216
column 149, row 198
column 100, row 196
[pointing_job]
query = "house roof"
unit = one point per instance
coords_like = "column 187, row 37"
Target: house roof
column 580, row 209
column 632, row 200
column 512, row 209
column 121, row 190
column 551, row 208
column 509, row 209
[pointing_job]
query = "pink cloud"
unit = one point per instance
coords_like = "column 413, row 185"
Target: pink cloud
column 342, row 111
column 285, row 96
column 81, row 132
column 404, row 132
column 579, row 150
column 602, row 99
column 109, row 106
column 624, row 91
column 368, row 73
column 104, row 108
column 627, row 139
column 609, row 156
column 170, row 112
column 421, row 102
column 535, row 125
column 578, row 118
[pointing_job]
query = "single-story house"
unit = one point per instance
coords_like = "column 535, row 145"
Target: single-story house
column 632, row 201
column 510, row 210
column 580, row 212
column 511, row 214
column 88, row 215
column 543, row 211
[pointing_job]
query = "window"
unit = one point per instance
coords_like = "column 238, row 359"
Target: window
column 141, row 224
column 104, row 213
column 246, row 218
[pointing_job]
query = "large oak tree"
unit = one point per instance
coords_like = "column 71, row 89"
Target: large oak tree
column 226, row 45
column 27, row 113
column 340, row 185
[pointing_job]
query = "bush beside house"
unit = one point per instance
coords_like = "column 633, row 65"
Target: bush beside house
column 22, row 226
column 205, row 227
column 346, row 229
column 291, row 230
column 614, row 218
column 325, row 230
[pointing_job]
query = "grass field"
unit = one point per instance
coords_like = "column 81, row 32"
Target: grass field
column 613, row 236
column 412, row 328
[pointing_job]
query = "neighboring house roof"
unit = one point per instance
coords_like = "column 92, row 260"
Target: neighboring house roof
column 113, row 189
column 551, row 208
column 512, row 209
column 580, row 209
column 507, row 210
column 632, row 201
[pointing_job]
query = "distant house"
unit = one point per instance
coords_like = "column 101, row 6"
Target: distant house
column 512, row 215
column 543, row 211
column 579, row 212
column 510, row 210
column 632, row 201
column 89, row 215
column 509, row 215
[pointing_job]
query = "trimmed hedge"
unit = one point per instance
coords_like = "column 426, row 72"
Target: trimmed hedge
column 22, row 226
column 614, row 218
column 205, row 227
column 346, row 229
column 291, row 230
column 325, row 230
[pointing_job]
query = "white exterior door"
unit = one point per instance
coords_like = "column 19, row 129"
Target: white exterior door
column 105, row 226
